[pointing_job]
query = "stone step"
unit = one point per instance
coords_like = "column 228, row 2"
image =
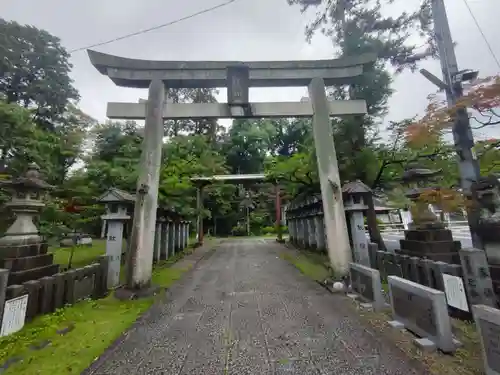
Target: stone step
column 23, row 251
column 425, row 248
column 447, row 257
column 28, row 263
column 429, row 235
column 19, row 277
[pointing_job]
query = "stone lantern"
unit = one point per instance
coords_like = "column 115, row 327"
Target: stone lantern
column 417, row 178
column 427, row 236
column 118, row 203
column 355, row 196
column 22, row 249
column 26, row 203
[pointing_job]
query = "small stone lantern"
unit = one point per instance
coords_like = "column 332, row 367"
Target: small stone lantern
column 418, row 179
column 427, row 236
column 355, row 196
column 26, row 203
column 117, row 204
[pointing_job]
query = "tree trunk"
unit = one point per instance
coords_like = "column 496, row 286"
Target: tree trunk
column 373, row 230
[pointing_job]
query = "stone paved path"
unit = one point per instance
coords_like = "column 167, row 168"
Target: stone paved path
column 244, row 310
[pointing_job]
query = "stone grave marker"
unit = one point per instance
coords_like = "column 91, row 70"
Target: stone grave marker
column 14, row 315
column 488, row 324
column 424, row 312
column 366, row 284
column 476, row 273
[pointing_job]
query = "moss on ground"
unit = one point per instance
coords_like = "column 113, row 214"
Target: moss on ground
column 97, row 324
column 308, row 265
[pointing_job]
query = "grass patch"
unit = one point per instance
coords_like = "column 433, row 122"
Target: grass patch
column 308, row 266
column 385, row 287
column 97, row 323
column 83, row 255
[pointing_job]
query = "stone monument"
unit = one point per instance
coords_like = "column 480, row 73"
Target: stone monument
column 487, row 193
column 22, row 248
column 427, row 236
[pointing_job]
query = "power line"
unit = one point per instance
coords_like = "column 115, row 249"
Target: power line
column 155, row 27
column 482, row 33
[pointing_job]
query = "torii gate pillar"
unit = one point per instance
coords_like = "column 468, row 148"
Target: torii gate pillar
column 140, row 254
column 339, row 249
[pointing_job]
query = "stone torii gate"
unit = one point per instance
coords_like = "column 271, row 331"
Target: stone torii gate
column 237, row 77
column 202, row 181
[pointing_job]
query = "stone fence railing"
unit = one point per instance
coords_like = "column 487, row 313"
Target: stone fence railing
column 48, row 293
column 306, row 226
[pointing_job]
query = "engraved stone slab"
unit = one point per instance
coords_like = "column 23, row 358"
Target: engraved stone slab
column 422, row 310
column 14, row 315
column 488, row 324
column 366, row 283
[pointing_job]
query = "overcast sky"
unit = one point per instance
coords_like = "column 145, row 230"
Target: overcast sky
column 245, row 30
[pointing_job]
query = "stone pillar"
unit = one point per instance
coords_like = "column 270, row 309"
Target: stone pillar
column 178, row 239
column 103, row 229
column 406, row 218
column 171, row 239
column 279, row 232
column 356, row 196
column 359, row 240
column 312, row 233
column 157, row 243
column 336, row 228
column 182, row 233
column 199, row 217
column 300, row 231
column 305, row 230
column 140, row 254
column 291, row 228
column 115, row 222
column 164, row 240
column 320, row 233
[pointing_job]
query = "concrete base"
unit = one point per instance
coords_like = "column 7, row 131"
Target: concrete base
column 425, row 345
column 397, row 325
column 124, row 294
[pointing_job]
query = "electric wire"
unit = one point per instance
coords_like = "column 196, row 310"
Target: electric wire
column 178, row 20
column 486, row 41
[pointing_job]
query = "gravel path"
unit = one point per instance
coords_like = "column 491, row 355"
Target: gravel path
column 244, row 310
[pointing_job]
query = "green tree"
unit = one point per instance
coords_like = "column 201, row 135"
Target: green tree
column 35, row 72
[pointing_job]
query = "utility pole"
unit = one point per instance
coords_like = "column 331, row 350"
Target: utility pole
column 462, row 132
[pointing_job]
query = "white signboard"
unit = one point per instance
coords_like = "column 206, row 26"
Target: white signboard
column 455, row 292
column 14, row 314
